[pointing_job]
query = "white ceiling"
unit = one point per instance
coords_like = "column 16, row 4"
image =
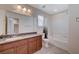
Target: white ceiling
column 51, row 8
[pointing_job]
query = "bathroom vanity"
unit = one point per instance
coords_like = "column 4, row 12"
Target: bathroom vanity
column 24, row 44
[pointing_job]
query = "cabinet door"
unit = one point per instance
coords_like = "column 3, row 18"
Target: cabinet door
column 8, row 51
column 39, row 42
column 32, row 45
column 22, row 49
column 0, row 47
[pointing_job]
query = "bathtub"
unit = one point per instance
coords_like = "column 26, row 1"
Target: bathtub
column 59, row 41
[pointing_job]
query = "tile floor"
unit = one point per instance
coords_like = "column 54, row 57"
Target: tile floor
column 51, row 49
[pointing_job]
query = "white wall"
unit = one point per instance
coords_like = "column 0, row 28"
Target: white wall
column 60, row 30
column 74, row 29
column 49, row 21
column 26, row 24
column 60, row 24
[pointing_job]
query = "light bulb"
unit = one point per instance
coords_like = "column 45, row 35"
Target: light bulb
column 29, row 10
column 24, row 9
column 19, row 7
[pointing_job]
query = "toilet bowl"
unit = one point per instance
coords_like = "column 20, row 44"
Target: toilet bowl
column 46, row 42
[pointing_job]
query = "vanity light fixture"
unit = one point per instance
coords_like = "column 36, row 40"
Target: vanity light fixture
column 24, row 10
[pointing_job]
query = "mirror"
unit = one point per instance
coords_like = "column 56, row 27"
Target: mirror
column 21, row 24
column 12, row 25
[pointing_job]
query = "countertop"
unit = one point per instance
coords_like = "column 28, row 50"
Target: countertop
column 15, row 38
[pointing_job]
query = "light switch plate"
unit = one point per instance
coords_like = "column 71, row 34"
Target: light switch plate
column 77, row 19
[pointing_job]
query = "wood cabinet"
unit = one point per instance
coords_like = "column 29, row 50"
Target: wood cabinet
column 24, row 46
column 9, row 51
